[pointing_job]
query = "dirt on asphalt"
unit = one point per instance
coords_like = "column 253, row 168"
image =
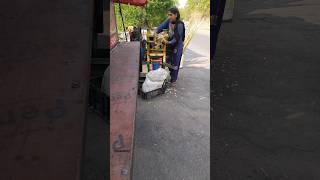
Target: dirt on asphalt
column 266, row 93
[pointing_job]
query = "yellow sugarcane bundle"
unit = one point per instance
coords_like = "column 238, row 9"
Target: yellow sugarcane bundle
column 160, row 39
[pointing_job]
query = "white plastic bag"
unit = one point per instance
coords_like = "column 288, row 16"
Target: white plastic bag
column 148, row 85
column 159, row 74
column 154, row 80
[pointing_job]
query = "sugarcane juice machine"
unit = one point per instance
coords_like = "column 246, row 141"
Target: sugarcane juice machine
column 156, row 50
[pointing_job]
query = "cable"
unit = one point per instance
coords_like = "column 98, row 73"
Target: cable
column 124, row 28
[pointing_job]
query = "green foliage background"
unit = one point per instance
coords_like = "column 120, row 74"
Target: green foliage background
column 156, row 11
column 201, row 7
column 150, row 16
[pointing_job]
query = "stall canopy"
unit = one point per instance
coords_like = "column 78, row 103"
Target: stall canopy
column 132, row 2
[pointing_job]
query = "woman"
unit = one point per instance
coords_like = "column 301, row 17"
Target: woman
column 175, row 43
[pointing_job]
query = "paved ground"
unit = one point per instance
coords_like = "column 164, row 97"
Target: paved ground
column 96, row 160
column 266, row 92
column 172, row 131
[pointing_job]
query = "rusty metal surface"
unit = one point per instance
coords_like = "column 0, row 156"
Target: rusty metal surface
column 124, row 72
column 45, row 61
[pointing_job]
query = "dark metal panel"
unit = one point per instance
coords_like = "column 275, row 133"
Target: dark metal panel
column 216, row 16
column 124, row 72
column 44, row 71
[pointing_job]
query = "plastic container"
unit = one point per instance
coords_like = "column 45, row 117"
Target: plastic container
column 154, row 93
column 151, row 94
column 155, row 66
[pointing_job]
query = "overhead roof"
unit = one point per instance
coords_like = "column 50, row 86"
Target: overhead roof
column 132, row 2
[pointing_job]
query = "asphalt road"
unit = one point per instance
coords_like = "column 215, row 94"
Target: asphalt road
column 96, row 145
column 266, row 92
column 172, row 133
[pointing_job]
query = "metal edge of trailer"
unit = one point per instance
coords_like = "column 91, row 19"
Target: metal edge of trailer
column 45, row 64
column 124, row 76
column 216, row 16
column 124, row 72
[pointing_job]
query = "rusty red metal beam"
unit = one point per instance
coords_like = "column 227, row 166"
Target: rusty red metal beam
column 124, row 72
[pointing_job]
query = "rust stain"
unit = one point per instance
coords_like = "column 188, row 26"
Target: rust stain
column 124, row 71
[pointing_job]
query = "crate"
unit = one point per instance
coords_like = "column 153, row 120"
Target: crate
column 154, row 93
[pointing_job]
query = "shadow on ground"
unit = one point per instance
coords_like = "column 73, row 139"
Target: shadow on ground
column 96, row 163
column 266, row 97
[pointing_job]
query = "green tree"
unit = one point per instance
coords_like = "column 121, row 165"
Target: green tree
column 150, row 16
column 201, row 7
